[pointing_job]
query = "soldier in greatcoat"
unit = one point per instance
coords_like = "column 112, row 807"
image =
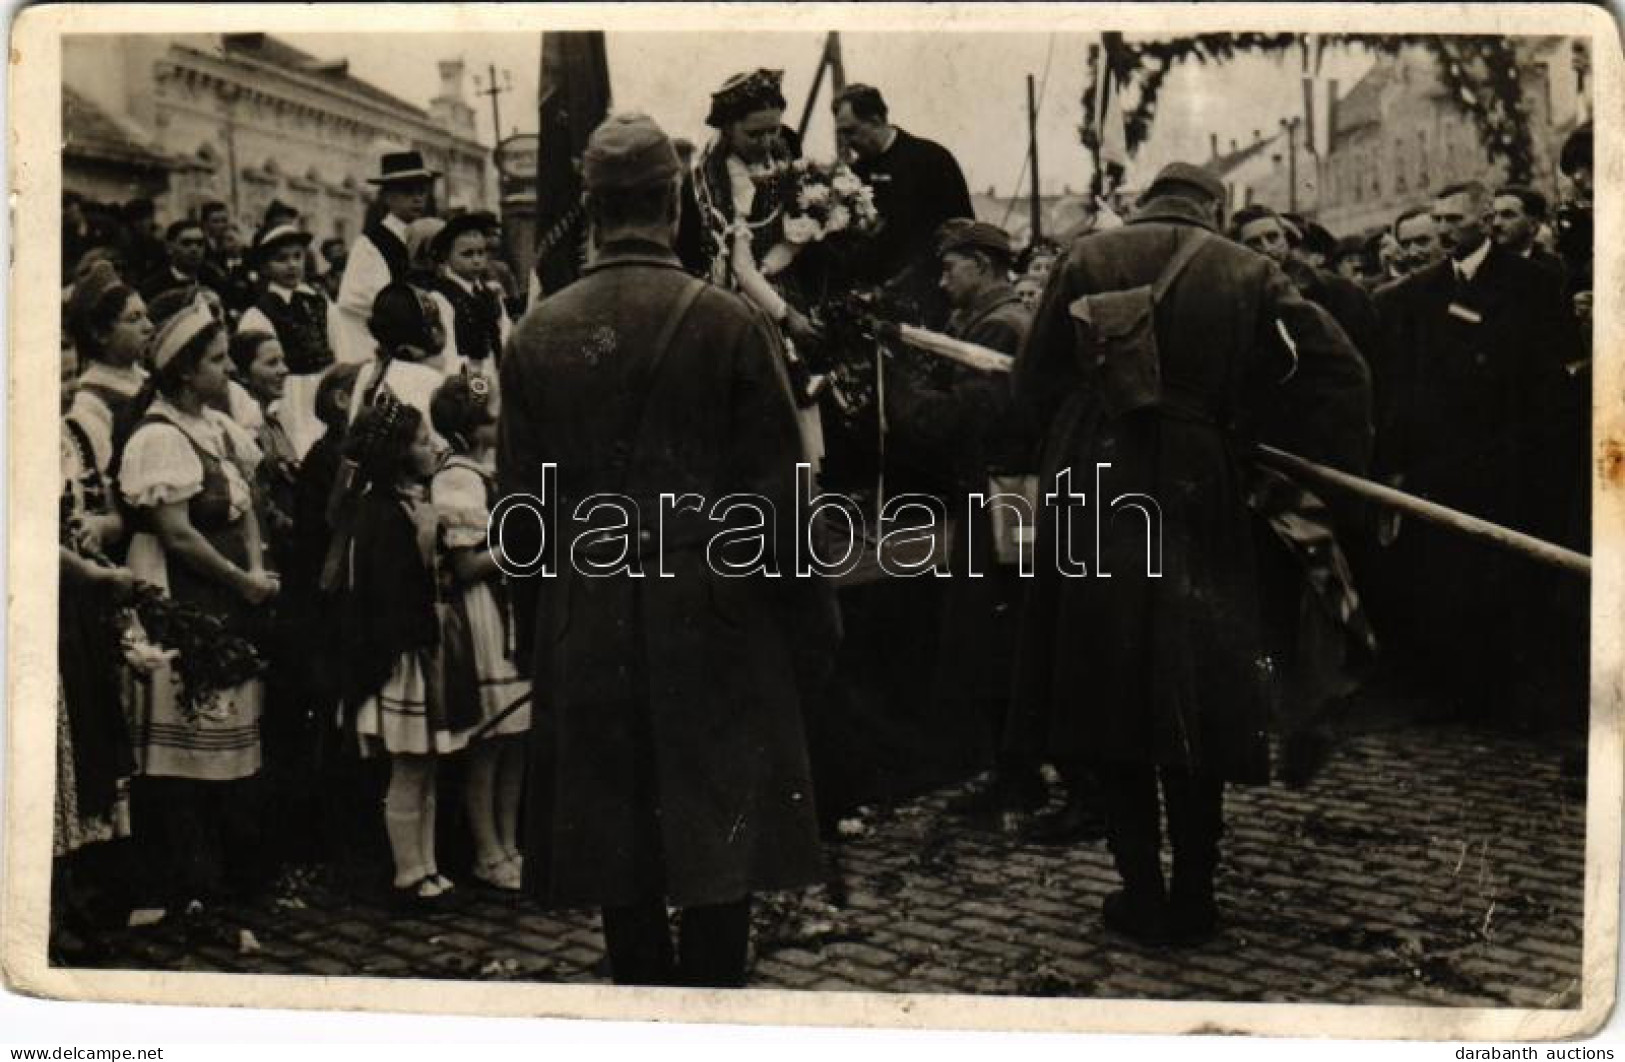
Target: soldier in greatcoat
column 1157, row 682
column 668, row 764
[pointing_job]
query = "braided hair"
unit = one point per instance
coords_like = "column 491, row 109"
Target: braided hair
column 380, row 438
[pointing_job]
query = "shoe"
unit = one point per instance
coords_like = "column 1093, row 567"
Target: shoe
column 421, row 895
column 1074, row 823
column 1193, row 917
column 498, row 873
column 1142, row 919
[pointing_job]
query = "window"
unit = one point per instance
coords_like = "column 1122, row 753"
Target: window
column 1423, row 178
column 1400, row 183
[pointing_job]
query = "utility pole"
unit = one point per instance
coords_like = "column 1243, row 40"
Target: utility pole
column 1036, row 224
column 493, row 90
column 1291, row 127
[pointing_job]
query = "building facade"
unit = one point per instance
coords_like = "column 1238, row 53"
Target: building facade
column 247, row 119
column 1398, row 136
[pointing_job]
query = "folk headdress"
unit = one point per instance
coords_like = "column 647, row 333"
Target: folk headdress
column 745, row 94
column 179, row 331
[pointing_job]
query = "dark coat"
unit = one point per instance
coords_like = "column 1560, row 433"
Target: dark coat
column 918, row 185
column 1134, row 670
column 964, row 429
column 1467, row 404
column 1480, row 415
column 668, row 756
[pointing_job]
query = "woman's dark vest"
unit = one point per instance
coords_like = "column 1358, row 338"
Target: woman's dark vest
column 476, row 317
column 301, row 327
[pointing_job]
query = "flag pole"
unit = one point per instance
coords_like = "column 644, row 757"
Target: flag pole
column 1036, row 224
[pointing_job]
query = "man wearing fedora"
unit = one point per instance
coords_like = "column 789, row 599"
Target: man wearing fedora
column 379, row 254
column 671, row 768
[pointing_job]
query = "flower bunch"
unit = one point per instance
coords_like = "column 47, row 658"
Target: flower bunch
column 822, row 200
column 208, row 657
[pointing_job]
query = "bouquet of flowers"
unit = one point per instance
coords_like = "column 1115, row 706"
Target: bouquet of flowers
column 824, row 200
column 207, row 657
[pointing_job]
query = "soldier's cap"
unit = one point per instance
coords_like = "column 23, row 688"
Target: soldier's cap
column 628, row 151
column 977, row 236
column 1177, row 175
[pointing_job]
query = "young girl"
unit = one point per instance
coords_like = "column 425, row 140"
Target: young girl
column 462, row 494
column 262, row 370
column 292, row 311
column 390, row 628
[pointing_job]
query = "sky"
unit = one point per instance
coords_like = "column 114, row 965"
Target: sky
column 966, row 91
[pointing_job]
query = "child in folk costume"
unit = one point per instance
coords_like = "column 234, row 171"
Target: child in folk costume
column 409, row 362
column 463, row 492
column 300, row 318
column 391, row 631
column 261, row 368
column 477, row 325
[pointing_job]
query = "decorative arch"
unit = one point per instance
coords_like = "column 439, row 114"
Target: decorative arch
column 1479, row 75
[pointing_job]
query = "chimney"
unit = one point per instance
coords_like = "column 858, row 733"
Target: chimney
column 1232, row 145
column 449, row 110
column 1213, row 145
column 1257, row 135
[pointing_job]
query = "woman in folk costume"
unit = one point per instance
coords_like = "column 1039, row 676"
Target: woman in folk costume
column 108, row 322
column 379, row 256
column 736, row 198
column 94, row 761
column 391, row 629
column 197, row 537
column 744, row 223
column 463, row 493
column 477, row 324
column 301, row 319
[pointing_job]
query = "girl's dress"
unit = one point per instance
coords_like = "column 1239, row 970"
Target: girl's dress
column 461, row 492
column 390, row 625
column 175, row 456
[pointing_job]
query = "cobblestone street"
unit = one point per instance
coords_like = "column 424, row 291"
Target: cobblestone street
column 1425, row 865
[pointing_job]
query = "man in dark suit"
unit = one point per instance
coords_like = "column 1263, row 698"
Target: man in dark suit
column 1516, row 216
column 672, row 768
column 1475, row 418
column 917, row 184
column 1155, row 681
column 185, row 245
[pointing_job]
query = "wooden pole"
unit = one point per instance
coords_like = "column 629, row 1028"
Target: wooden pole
column 980, row 357
column 837, row 68
column 812, row 95
column 1037, row 212
column 1422, row 509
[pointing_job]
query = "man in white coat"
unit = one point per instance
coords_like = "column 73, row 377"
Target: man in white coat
column 379, row 255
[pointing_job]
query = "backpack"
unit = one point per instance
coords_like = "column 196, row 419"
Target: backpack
column 1117, row 336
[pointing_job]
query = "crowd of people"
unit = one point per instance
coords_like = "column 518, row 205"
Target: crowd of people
column 307, row 449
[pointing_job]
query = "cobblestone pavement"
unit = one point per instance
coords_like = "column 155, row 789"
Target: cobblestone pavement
column 1425, row 865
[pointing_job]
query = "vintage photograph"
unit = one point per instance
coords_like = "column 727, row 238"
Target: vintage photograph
column 1093, row 513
